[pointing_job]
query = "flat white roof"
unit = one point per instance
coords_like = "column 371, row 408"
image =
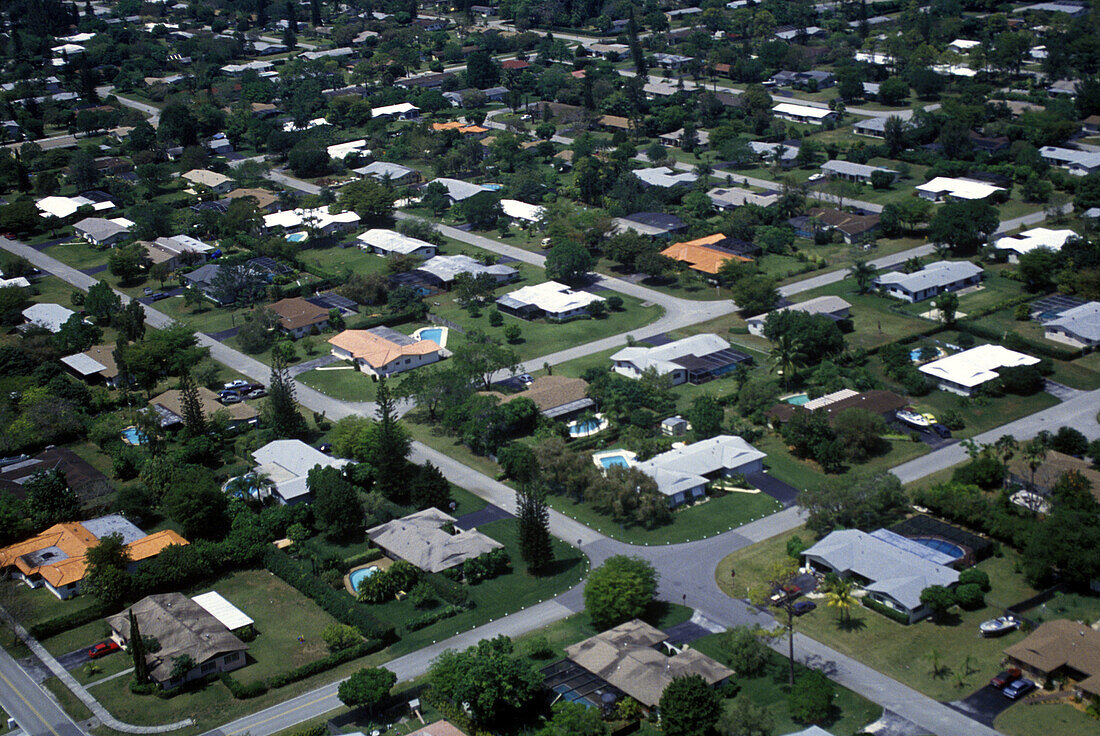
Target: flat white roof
column 976, row 366
column 398, row 109
column 229, row 615
column 319, row 217
column 803, row 111
column 65, row 206
column 1039, row 237
column 343, row 150
column 961, row 188
column 552, row 297
column 518, row 210
column 393, row 242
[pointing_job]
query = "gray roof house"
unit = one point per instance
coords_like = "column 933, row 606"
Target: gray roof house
column 654, row 224
column 387, row 243
column 694, row 359
column 664, row 177
column 395, row 173
column 202, row 278
column 442, row 270
column 420, row 539
column 893, row 569
column 100, row 231
column 1079, row 326
column 683, row 473
column 1078, row 163
column 286, row 463
column 851, row 171
column 830, row 306
column 47, row 315
column 876, row 127
column 933, row 279
column 458, row 190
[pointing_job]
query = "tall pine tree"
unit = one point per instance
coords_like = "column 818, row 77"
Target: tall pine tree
column 137, row 651
column 535, row 546
column 193, row 418
column 390, row 450
column 315, row 12
column 281, row 413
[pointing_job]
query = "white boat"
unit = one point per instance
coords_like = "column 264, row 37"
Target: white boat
column 912, row 418
column 1000, row 625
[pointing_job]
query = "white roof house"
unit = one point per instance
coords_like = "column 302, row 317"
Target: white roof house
column 290, row 126
column 64, row 206
column 184, row 244
column 664, row 177
column 853, row 171
column 400, row 110
column 286, row 463
column 963, row 372
column 803, row 113
column 945, row 187
column 725, row 198
column 381, row 170
column 319, row 218
column 217, row 606
column 963, row 45
column 48, row 315
column 898, row 568
column 518, row 210
column 1039, row 237
column 343, row 150
column 1079, row 163
column 18, row 281
column 691, row 359
column 1079, row 327
column 787, row 153
column 457, row 189
column 931, row 280
column 387, row 242
column 555, row 301
column 683, row 473
column 444, row 269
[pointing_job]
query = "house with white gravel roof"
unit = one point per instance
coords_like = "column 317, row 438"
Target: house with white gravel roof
column 964, row 372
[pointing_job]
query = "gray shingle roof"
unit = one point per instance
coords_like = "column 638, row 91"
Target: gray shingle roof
column 1082, row 321
column 938, row 274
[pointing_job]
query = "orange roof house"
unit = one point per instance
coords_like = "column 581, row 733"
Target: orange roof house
column 56, row 557
column 701, row 258
column 381, row 351
column 462, row 128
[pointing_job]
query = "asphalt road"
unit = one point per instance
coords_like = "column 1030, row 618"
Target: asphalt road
column 29, row 704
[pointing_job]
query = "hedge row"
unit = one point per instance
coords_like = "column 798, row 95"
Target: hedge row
column 386, row 320
column 434, row 616
column 337, row 604
column 450, row 591
column 371, row 555
column 987, row 333
column 324, row 664
column 886, row 611
column 64, row 622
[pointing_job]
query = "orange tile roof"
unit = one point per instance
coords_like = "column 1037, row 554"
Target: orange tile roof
column 453, row 125
column 462, row 128
column 696, row 254
column 377, row 351
column 74, row 540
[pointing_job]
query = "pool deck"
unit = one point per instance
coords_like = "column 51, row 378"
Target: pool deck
column 382, row 563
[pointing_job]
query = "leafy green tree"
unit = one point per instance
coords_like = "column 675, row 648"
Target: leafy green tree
column 367, row 688
column 748, row 654
column 480, row 358
column 194, row 501
column 863, row 273
column 755, row 295
column 499, row 690
column 947, row 304
column 618, row 590
column 101, row 302
column 106, row 578
column 963, row 226
column 50, row 500
column 194, row 420
column 181, row 665
column 334, row 502
column 368, row 199
column 863, row 501
column 128, row 262
column 811, row 698
column 429, row 487
column 130, row 320
column 568, row 262
column 482, row 210
column 705, row 415
column 746, row 718
column 535, row 545
column 939, row 599
column 689, row 707
column 76, row 335
column 573, row 719
column 860, row 433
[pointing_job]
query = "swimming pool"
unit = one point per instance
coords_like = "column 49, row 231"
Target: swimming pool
column 584, row 429
column 432, row 333
column 357, row 576
column 615, row 461
column 298, row 237
column 492, row 187
column 242, row 486
column 132, row 436
column 615, row 458
column 798, row 399
column 942, row 545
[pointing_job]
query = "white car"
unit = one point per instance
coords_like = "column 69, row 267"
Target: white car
column 816, row 177
column 235, row 384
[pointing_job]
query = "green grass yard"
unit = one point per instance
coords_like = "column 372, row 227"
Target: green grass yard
column 1055, row 718
column 346, row 385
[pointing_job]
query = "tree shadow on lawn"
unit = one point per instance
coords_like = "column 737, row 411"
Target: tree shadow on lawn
column 560, row 566
column 851, row 623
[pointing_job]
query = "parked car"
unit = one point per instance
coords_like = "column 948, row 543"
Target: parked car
column 159, row 295
column 148, row 291
column 1018, row 688
column 1004, row 678
column 525, row 378
column 788, row 591
column 229, row 397
column 802, row 607
column 816, row 177
column 326, row 448
column 102, row 649
column 941, row 430
column 256, row 393
column 236, row 384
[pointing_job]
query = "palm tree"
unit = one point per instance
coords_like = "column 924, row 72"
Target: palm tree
column 840, row 597
column 1035, row 454
column 863, row 272
column 787, row 356
column 1006, row 448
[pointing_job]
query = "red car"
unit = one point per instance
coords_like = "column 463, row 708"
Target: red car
column 102, row 649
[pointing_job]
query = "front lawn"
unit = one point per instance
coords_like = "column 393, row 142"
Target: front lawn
column 1054, row 718
column 877, row 320
column 344, row 383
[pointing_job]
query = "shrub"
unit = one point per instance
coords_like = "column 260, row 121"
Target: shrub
column 969, row 596
column 886, row 611
column 795, row 547
column 64, row 622
column 309, row 669
column 422, row 596
column 449, row 590
column 539, row 648
column 952, row 419
column 243, row 692
column 974, row 576
column 486, row 566
column 435, row 616
column 340, row 636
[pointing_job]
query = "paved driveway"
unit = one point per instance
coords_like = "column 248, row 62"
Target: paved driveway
column 984, row 705
column 784, row 493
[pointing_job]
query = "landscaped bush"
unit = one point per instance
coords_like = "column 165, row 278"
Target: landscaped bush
column 384, row 585
column 969, row 596
column 886, row 611
column 967, row 505
column 974, row 576
column 486, row 566
column 324, row 664
column 371, row 555
column 64, row 622
column 430, row 618
column 449, row 590
column 243, row 692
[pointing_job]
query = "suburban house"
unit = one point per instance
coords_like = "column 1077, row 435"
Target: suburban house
column 671, row 61
column 99, row 231
column 703, row 255
column 62, row 207
column 634, row 658
column 56, row 558
column 265, row 200
column 318, row 218
column 219, row 183
column 463, row 129
column 458, row 190
column 441, row 271
column 182, row 628
column 432, row 80
column 47, row 315
column 694, row 359
column 400, row 111
column 429, row 540
column 1077, row 163
column 343, row 150
column 933, row 279
column 384, row 171
column 728, row 198
column 653, row 224
column 80, row 475
column 169, row 408
column 286, row 464
column 550, row 299
column 1061, row 649
column 833, row 307
column 664, row 177
column 882, row 403
column 803, row 113
column 444, row 727
column 299, row 318
column 963, row 372
column 557, row 397
column 178, row 250
column 1079, row 326
column 1029, row 240
column 682, row 474
column 202, row 278
column 875, row 127
column 233, row 618
column 852, row 227
column 944, row 188
column 893, row 569
column 389, row 243
column 851, row 171
column 675, row 139
column 382, row 351
column 517, row 210
column 97, row 363
column 813, row 80
column 785, row 152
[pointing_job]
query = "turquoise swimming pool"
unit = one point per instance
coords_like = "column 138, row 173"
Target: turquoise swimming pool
column 358, row 576
column 434, row 334
column 584, row 428
column 492, row 187
column 132, row 436
column 798, row 399
column 297, row 237
column 614, row 461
